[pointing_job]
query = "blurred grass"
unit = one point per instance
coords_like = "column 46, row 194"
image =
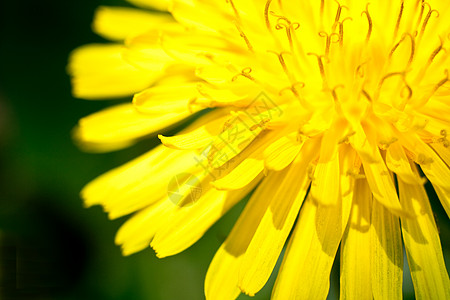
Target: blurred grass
column 53, row 248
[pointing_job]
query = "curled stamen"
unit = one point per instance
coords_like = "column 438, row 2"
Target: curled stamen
column 422, row 9
column 329, row 40
column 338, row 14
column 436, row 52
column 341, row 31
column 399, row 18
column 389, row 75
column 246, row 73
column 280, row 24
column 413, row 47
column 294, row 26
column 369, row 19
column 405, row 89
column 428, row 16
column 293, row 88
column 285, row 23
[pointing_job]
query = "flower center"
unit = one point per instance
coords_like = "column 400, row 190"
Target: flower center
column 368, row 62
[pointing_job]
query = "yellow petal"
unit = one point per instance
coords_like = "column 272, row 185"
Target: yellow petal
column 117, row 23
column 325, row 185
column 378, row 176
column 144, row 51
column 436, row 170
column 224, row 97
column 223, row 273
column 349, row 171
column 356, row 282
column 248, row 165
column 313, row 244
column 188, row 224
column 119, row 191
column 167, row 98
column 215, row 74
column 306, row 267
column 442, row 151
column 99, row 71
column 238, row 133
column 211, row 18
column 201, row 49
column 282, row 152
column 430, row 163
column 241, row 175
column 120, row 126
column 387, row 254
column 182, row 191
column 275, row 225
column 398, row 162
column 423, row 246
column 136, row 233
column 200, row 137
column 154, row 4
column 220, row 283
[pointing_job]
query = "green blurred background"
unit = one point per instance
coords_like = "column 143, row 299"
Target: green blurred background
column 52, row 247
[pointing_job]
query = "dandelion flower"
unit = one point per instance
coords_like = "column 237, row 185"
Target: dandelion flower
column 333, row 113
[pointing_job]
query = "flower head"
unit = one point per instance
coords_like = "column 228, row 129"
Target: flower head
column 335, row 112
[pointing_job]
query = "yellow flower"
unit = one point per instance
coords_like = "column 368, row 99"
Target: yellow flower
column 335, row 112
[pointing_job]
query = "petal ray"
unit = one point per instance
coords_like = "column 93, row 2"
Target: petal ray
column 275, row 225
column 356, row 281
column 387, row 254
column 423, row 246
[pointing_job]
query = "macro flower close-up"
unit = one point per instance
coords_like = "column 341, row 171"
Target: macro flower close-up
column 333, row 117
